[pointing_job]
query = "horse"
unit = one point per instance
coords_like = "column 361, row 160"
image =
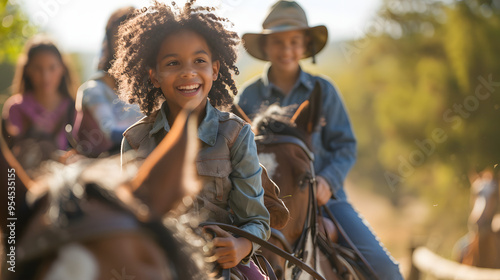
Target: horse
column 482, row 247
column 283, row 144
column 477, row 254
column 88, row 220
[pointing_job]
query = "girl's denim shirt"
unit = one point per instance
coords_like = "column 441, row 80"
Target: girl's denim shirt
column 227, row 163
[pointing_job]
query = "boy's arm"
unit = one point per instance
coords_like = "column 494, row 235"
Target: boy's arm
column 338, row 140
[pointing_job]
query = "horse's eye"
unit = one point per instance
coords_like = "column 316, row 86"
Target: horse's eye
column 304, row 180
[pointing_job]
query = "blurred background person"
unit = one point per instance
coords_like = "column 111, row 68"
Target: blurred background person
column 101, row 116
column 286, row 39
column 42, row 103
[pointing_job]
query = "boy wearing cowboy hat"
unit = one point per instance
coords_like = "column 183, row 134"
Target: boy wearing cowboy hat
column 286, row 39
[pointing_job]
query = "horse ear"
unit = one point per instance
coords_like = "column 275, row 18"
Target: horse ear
column 496, row 172
column 308, row 115
column 235, row 109
column 169, row 173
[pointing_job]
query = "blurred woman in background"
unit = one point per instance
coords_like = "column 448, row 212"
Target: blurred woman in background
column 101, row 116
column 42, row 103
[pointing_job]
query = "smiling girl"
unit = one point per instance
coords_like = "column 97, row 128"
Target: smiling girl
column 166, row 58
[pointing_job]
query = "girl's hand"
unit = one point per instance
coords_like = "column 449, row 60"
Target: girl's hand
column 323, row 193
column 229, row 250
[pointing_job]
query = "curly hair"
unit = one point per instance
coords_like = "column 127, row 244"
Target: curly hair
column 139, row 41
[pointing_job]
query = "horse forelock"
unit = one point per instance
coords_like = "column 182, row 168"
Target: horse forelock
column 60, row 187
column 276, row 120
column 55, row 177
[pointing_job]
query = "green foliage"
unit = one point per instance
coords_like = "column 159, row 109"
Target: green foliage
column 424, row 97
column 15, row 29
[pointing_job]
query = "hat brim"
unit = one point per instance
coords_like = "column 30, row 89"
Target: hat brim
column 318, row 34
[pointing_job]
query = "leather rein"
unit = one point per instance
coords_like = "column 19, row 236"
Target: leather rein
column 310, row 223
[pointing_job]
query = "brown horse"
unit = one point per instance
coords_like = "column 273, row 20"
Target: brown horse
column 89, row 221
column 483, row 248
column 284, row 148
column 478, row 252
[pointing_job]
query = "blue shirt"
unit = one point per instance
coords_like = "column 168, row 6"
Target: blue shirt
column 334, row 143
column 111, row 114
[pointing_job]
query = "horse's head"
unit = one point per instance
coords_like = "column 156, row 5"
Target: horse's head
column 94, row 204
column 484, row 198
column 284, row 145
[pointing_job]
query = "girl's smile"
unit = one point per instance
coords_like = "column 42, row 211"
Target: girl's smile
column 189, row 90
column 184, row 70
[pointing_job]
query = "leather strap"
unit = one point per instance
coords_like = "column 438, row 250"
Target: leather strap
column 259, row 260
column 268, row 246
column 351, row 244
column 284, row 139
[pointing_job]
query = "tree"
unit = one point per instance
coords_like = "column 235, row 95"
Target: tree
column 15, row 29
column 429, row 85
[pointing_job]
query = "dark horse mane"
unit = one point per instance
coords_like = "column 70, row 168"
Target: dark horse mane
column 277, row 120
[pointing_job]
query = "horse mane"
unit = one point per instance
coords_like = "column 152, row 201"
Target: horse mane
column 277, row 120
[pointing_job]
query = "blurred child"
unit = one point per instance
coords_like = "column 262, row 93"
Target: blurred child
column 101, row 116
column 168, row 58
column 36, row 114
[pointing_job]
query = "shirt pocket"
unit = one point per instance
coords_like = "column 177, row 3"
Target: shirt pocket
column 214, row 174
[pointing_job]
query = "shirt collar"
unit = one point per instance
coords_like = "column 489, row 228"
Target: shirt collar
column 304, row 80
column 207, row 130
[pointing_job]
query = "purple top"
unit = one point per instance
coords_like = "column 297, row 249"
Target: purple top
column 23, row 112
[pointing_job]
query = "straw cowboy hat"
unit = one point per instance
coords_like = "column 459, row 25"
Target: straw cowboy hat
column 284, row 16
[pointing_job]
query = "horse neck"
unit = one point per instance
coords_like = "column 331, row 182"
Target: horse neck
column 298, row 214
column 292, row 159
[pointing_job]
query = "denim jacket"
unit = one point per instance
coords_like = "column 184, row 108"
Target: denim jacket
column 334, row 144
column 227, row 163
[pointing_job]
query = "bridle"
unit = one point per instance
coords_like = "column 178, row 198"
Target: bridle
column 310, row 223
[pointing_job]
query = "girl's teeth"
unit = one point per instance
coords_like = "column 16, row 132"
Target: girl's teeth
column 191, row 87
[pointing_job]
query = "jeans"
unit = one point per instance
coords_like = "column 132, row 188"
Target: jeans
column 360, row 233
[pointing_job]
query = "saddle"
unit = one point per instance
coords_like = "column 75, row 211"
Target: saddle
column 327, row 229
